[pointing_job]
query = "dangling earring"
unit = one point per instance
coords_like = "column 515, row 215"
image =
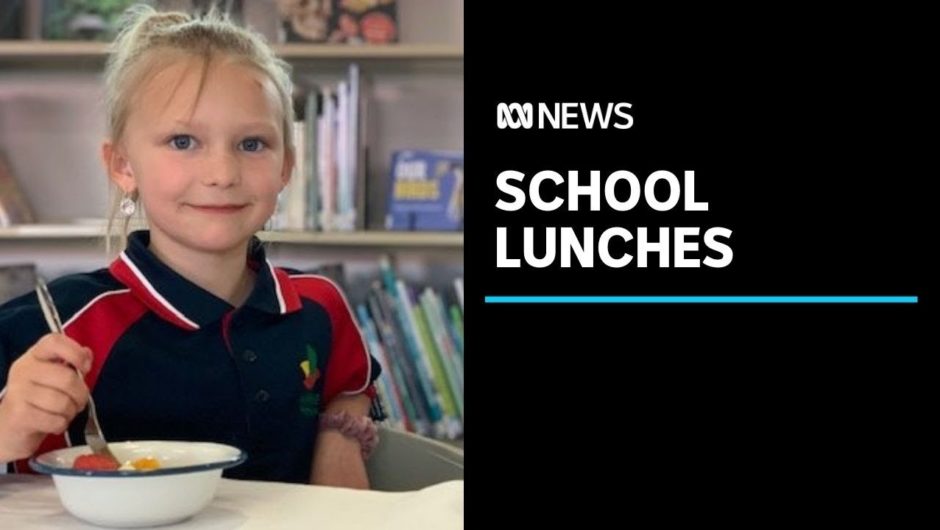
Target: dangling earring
column 128, row 206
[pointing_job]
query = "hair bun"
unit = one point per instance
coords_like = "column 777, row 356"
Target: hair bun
column 144, row 19
column 157, row 21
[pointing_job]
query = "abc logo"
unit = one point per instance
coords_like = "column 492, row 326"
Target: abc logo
column 563, row 115
column 514, row 115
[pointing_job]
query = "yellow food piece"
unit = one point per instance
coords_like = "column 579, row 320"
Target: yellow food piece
column 146, row 464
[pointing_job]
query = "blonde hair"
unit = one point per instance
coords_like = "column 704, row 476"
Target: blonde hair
column 145, row 32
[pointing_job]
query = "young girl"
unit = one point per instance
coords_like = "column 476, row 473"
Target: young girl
column 191, row 334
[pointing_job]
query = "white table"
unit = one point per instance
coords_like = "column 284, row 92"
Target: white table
column 31, row 502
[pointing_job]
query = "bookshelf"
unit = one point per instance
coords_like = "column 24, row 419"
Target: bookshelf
column 51, row 127
column 31, row 50
column 89, row 56
column 373, row 238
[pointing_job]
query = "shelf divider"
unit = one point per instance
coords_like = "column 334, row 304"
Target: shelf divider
column 362, row 239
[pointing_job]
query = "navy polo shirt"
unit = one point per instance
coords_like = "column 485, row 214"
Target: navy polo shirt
column 174, row 362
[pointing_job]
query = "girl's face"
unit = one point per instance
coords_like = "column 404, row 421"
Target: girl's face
column 208, row 164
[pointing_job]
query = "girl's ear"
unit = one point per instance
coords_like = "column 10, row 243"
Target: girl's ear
column 288, row 167
column 118, row 166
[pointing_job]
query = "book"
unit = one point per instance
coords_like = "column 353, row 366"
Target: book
column 388, row 392
column 304, row 21
column 326, row 159
column 339, row 21
column 363, row 22
column 311, row 148
column 14, row 208
column 295, row 201
column 426, row 191
column 384, row 310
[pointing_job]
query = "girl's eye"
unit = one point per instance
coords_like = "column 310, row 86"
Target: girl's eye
column 252, row 145
column 182, row 142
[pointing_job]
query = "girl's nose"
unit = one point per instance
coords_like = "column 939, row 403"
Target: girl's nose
column 223, row 171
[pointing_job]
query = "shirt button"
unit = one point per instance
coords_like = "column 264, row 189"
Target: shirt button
column 250, row 356
column 262, row 396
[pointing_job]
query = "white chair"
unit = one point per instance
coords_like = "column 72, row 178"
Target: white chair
column 404, row 461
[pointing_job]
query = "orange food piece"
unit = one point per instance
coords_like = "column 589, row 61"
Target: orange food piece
column 148, row 463
column 94, row 463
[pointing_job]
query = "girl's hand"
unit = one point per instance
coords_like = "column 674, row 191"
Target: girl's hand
column 43, row 394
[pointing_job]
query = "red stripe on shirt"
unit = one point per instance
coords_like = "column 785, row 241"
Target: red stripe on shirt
column 102, row 324
column 125, row 275
column 98, row 327
column 291, row 298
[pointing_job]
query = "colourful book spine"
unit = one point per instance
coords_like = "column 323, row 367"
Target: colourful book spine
column 444, row 349
column 456, row 323
column 385, row 382
column 415, row 404
column 406, row 313
column 433, row 359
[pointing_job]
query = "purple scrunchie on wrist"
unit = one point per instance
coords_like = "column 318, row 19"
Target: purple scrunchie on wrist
column 361, row 428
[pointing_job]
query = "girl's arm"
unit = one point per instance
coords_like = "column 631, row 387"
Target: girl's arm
column 337, row 459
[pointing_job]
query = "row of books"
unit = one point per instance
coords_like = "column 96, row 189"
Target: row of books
column 418, row 338
column 327, row 189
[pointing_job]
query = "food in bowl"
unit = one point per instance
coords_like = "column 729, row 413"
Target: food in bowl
column 183, row 482
column 95, row 462
column 147, row 463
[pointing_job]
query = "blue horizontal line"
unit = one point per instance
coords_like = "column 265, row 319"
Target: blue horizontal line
column 700, row 299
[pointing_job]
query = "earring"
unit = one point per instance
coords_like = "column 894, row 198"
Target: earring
column 128, row 206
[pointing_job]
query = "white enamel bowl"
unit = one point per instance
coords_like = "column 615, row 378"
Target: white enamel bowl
column 184, row 484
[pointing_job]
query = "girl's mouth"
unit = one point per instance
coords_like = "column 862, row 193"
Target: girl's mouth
column 218, row 208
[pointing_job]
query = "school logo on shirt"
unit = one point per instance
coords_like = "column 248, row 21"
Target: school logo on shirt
column 309, row 401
